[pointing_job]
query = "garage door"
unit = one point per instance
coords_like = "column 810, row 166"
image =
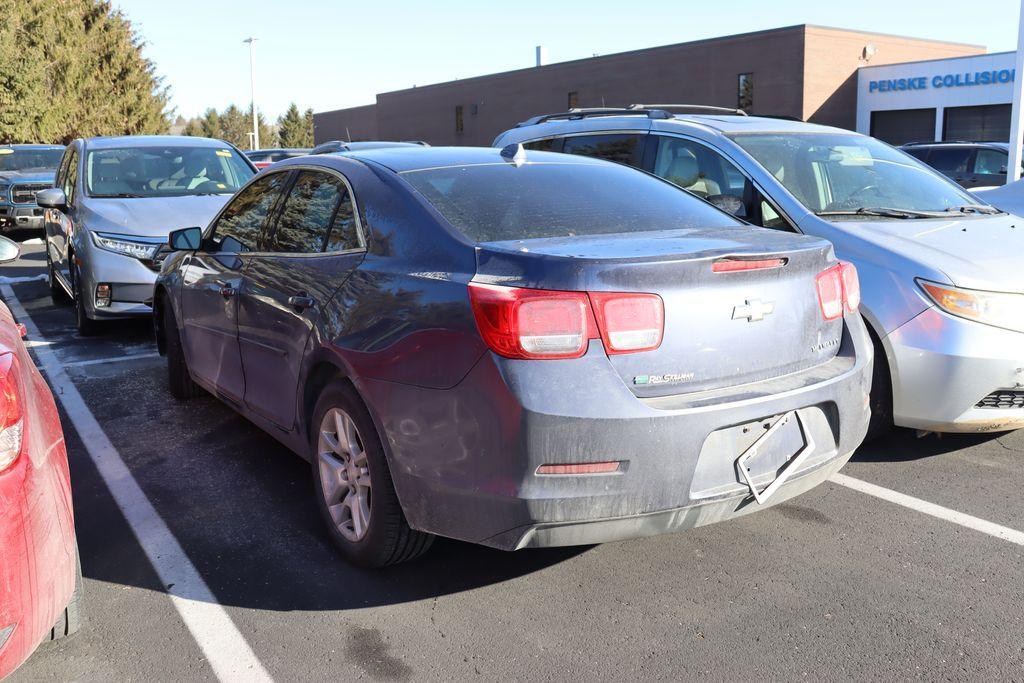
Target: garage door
column 989, row 123
column 901, row 126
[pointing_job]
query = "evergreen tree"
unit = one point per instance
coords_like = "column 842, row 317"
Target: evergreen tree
column 295, row 129
column 73, row 68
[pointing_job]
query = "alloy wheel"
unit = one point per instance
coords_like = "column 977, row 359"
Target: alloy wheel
column 344, row 474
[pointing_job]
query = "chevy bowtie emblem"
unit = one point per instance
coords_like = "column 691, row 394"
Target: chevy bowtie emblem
column 753, row 310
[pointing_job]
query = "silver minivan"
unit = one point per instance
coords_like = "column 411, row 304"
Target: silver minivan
column 941, row 271
column 114, row 203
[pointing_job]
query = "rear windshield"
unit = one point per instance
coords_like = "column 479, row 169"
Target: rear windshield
column 496, row 202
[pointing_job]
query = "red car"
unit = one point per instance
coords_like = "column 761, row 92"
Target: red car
column 40, row 577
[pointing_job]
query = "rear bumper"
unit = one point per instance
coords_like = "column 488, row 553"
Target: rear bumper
column 943, row 366
column 464, row 460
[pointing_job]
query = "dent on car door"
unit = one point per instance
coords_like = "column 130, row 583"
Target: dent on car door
column 313, row 248
column 212, row 280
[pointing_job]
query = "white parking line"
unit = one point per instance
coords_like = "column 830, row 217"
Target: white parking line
column 225, row 648
column 104, row 361
column 965, row 520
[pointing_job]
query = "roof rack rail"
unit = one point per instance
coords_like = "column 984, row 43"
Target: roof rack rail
column 574, row 114
column 690, row 108
column 937, row 142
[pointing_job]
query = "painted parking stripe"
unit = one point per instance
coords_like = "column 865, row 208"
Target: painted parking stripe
column 226, row 650
column 965, row 520
column 104, row 361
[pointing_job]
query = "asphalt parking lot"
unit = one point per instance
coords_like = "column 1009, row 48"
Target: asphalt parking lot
column 837, row 583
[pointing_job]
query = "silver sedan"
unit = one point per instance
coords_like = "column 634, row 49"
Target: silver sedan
column 941, row 271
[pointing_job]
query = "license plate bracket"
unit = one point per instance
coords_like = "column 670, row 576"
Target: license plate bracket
column 749, row 456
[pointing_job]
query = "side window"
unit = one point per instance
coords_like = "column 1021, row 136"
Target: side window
column 990, row 162
column 698, row 169
column 919, row 153
column 950, row 159
column 617, row 147
column 307, row 213
column 344, row 233
column 238, row 228
column 545, row 145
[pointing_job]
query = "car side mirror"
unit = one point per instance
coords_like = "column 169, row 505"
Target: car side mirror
column 9, row 250
column 52, row 198
column 185, row 239
column 729, row 203
column 1002, row 170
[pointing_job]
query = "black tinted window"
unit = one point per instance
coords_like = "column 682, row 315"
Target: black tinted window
column 950, row 159
column 917, row 152
column 245, row 216
column 545, row 145
column 623, row 149
column 307, row 212
column 344, row 232
column 496, row 202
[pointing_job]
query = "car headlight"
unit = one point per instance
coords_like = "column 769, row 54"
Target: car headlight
column 1000, row 309
column 125, row 245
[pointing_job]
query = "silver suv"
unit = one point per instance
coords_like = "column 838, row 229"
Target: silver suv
column 943, row 290
column 114, row 204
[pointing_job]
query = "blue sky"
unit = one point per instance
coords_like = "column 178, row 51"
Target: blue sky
column 328, row 54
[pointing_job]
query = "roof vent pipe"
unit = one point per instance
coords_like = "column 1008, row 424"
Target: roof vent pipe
column 542, row 55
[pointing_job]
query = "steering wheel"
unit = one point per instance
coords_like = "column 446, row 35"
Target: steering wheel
column 849, row 200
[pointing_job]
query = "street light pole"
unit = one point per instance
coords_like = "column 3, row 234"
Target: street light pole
column 1017, row 116
column 252, row 86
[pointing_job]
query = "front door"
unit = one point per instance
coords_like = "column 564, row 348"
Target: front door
column 313, row 248
column 212, row 280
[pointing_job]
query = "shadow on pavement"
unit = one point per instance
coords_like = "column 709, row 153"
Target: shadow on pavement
column 903, row 445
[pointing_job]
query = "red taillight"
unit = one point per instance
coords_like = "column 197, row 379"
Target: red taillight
column 851, row 286
column 532, row 323
column 629, row 322
column 732, row 265
column 10, row 410
column 838, row 290
column 535, row 323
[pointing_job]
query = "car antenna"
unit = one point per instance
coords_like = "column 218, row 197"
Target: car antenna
column 514, row 153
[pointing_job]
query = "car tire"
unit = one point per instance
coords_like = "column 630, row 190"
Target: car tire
column 70, row 620
column 85, row 325
column 179, row 380
column 383, row 536
column 57, row 293
column 881, row 393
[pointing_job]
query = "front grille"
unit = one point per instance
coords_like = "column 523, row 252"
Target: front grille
column 1005, row 399
column 25, row 193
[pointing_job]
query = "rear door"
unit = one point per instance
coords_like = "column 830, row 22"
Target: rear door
column 310, row 252
column 211, row 282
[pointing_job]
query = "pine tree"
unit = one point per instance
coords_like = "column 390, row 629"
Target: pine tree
column 73, row 68
column 295, row 129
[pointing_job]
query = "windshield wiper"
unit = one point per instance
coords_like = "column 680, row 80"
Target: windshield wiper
column 974, row 208
column 882, row 212
column 120, row 195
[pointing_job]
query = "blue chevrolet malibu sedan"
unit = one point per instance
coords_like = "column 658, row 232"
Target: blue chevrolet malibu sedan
column 518, row 349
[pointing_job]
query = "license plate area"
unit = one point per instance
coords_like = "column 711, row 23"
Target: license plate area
column 775, row 455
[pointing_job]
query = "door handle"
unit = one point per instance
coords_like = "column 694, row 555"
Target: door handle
column 301, row 301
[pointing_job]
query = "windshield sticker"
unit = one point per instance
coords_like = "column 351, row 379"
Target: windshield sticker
column 6, row 150
column 223, row 153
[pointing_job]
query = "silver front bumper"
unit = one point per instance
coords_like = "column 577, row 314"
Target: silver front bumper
column 943, row 366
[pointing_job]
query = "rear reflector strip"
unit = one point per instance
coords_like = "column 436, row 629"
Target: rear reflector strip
column 730, row 265
column 581, row 468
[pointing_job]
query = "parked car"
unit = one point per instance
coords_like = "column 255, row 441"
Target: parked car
column 971, row 164
column 336, row 146
column 1008, row 198
column 939, row 269
column 496, row 348
column 115, row 202
column 261, row 158
column 40, row 576
column 24, row 170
